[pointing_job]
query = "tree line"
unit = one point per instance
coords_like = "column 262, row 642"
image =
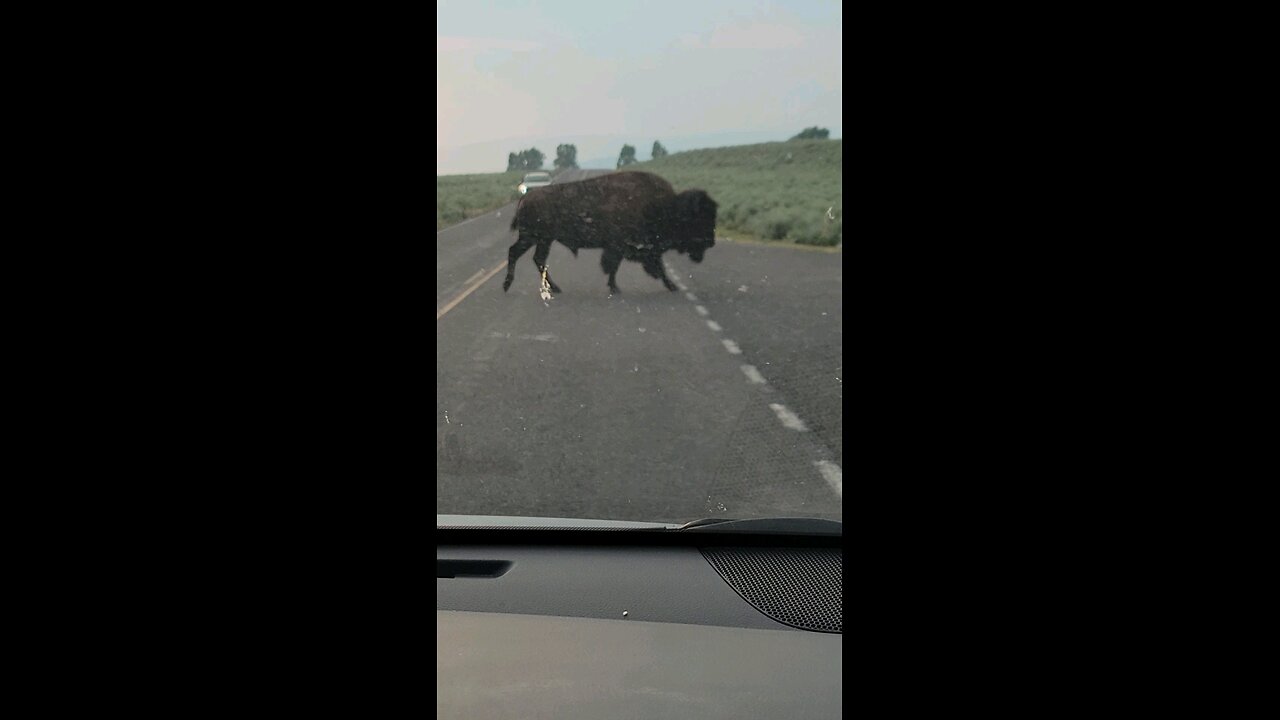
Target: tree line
column 813, row 133
column 567, row 155
column 531, row 159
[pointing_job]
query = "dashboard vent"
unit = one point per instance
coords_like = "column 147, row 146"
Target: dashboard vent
column 472, row 568
column 800, row 587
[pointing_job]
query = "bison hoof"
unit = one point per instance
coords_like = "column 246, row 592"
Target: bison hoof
column 506, row 284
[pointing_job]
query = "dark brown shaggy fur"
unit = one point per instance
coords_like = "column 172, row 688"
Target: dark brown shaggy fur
column 631, row 215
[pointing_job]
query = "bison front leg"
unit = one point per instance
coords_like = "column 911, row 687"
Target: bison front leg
column 610, row 262
column 540, row 259
column 521, row 246
column 653, row 266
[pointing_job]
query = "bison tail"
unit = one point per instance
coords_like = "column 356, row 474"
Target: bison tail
column 515, row 216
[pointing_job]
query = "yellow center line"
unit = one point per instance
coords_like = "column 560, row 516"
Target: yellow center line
column 470, row 289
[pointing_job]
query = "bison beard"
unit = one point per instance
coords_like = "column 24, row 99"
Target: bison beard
column 631, row 215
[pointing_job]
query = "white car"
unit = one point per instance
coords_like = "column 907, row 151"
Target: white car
column 534, row 180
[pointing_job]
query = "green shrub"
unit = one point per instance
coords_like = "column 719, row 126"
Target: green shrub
column 762, row 192
column 759, row 191
column 461, row 197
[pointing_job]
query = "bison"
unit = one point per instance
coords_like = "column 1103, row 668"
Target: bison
column 631, row 215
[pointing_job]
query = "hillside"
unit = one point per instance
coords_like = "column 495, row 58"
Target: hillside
column 773, row 191
column 778, row 191
column 462, row 197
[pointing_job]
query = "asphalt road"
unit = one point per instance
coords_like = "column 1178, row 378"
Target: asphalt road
column 720, row 400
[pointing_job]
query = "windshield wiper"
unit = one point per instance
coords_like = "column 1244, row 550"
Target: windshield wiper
column 543, row 523
column 747, row 526
column 766, row 526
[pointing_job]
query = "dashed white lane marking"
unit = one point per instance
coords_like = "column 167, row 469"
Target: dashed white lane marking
column 789, row 419
column 542, row 337
column 831, row 473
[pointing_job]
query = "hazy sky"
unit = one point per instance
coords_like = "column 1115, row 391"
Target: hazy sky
column 596, row 74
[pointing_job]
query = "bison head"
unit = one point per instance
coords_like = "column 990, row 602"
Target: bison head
column 696, row 223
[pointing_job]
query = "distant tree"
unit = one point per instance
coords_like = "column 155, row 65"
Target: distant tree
column 628, row 156
column 813, row 133
column 566, row 157
column 658, row 151
column 525, row 160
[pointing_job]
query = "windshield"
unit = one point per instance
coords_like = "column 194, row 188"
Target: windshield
column 656, row 335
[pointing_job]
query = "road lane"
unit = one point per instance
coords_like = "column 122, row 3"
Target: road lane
column 626, row 407
column 474, row 247
column 783, row 307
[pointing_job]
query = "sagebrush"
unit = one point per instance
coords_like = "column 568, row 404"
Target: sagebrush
column 774, row 191
column 784, row 191
column 462, row 197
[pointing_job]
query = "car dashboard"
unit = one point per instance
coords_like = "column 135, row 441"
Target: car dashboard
column 620, row 624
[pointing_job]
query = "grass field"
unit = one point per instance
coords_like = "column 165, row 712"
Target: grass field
column 462, row 197
column 777, row 191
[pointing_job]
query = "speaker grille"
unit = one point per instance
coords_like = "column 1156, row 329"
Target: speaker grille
column 800, row 587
